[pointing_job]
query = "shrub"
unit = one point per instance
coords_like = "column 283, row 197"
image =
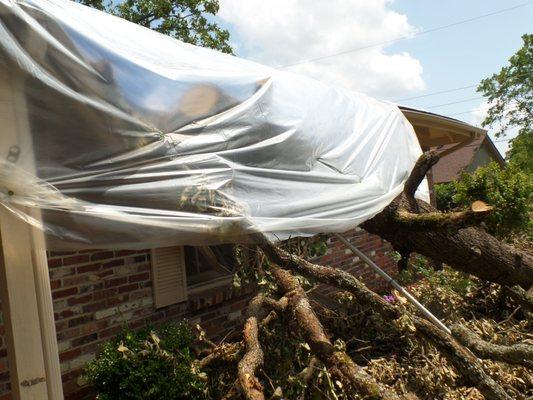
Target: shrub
column 147, row 365
column 444, row 195
column 508, row 190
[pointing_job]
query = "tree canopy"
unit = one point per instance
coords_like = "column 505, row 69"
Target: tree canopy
column 187, row 20
column 510, row 96
column 508, row 190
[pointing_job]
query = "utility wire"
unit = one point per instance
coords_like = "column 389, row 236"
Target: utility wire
column 450, row 90
column 454, row 102
column 435, row 93
column 477, row 109
column 423, row 32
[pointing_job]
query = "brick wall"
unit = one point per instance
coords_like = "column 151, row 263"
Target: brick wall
column 339, row 256
column 95, row 292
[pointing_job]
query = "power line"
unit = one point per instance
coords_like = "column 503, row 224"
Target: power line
column 435, row 93
column 450, row 90
column 455, row 102
column 477, row 109
column 423, row 32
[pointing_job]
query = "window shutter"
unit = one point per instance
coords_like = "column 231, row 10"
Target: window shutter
column 168, row 275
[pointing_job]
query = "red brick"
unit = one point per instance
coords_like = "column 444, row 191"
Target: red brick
column 64, row 293
column 61, row 253
column 77, row 259
column 114, row 263
column 55, row 262
column 94, row 326
column 80, row 299
column 69, row 354
column 75, row 280
column 128, row 288
column 139, row 277
column 88, row 268
column 104, row 273
column 116, row 281
column 80, row 320
column 102, row 255
column 55, row 284
column 94, row 307
column 84, row 340
column 122, row 253
column 112, row 331
column 113, row 301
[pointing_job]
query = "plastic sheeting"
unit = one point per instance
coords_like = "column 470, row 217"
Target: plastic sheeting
column 116, row 136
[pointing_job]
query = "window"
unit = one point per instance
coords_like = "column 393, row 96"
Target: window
column 179, row 270
column 209, row 264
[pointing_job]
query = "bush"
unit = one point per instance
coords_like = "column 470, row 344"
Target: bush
column 508, row 190
column 444, row 193
column 147, row 365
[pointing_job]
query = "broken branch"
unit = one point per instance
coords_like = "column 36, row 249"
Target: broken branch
column 252, row 359
column 338, row 362
column 520, row 354
column 460, row 357
column 422, row 166
column 439, row 220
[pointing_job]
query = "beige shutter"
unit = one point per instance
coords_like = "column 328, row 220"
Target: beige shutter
column 168, row 272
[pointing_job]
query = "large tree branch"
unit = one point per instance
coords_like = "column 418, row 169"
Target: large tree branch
column 337, row 361
column 460, row 357
column 421, row 168
column 471, row 250
column 521, row 353
column 440, row 220
column 253, row 358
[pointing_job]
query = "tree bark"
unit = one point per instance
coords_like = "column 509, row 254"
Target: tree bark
column 471, row 250
column 337, row 361
column 460, row 357
column 520, row 354
column 412, row 225
column 253, row 357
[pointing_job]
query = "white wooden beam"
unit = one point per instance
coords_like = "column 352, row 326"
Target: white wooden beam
column 24, row 279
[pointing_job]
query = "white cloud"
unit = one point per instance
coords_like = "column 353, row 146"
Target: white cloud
column 283, row 32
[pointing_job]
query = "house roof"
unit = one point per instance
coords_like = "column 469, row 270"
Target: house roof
column 451, row 165
column 436, row 130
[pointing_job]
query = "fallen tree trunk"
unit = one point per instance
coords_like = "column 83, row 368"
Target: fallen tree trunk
column 412, row 225
column 470, row 250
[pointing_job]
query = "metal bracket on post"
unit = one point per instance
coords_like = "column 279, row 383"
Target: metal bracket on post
column 395, row 284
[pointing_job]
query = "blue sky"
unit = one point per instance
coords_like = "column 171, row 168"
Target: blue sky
column 462, row 55
column 296, row 30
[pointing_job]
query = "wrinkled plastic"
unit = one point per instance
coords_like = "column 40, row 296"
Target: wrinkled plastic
column 117, row 136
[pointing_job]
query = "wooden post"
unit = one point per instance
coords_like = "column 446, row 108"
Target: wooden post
column 24, row 280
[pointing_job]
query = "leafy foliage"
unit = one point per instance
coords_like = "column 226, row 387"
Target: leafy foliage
column 510, row 94
column 521, row 151
column 147, row 365
column 444, row 193
column 186, row 20
column 508, row 190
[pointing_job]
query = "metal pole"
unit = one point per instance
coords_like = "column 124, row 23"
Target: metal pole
column 396, row 285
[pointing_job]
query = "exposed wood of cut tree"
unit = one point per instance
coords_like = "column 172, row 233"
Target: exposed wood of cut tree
column 447, row 238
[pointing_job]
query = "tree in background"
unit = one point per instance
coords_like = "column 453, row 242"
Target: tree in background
column 186, row 20
column 508, row 190
column 510, row 95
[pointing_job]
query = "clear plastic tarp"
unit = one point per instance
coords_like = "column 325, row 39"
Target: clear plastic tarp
column 113, row 135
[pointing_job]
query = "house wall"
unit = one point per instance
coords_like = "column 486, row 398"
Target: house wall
column 95, row 292
column 482, row 157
